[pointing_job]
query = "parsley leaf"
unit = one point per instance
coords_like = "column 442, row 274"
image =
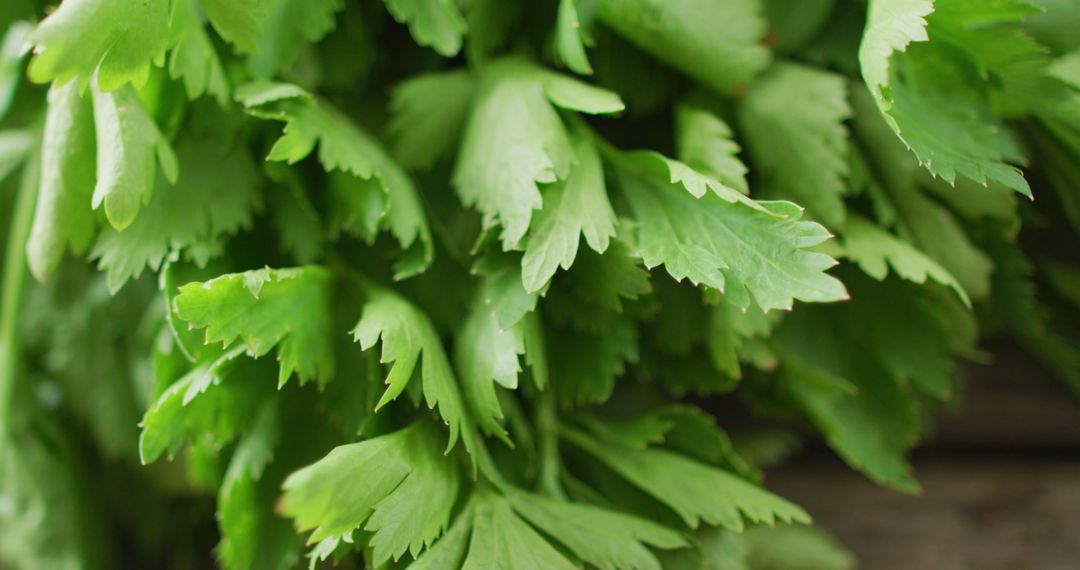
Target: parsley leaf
column 706, row 144
column 693, row 490
column 923, row 103
column 726, row 241
column 346, row 147
column 875, row 250
column 63, row 216
column 602, row 538
column 435, row 23
column 400, row 484
column 716, row 43
column 129, row 148
column 287, row 26
column 429, row 113
column 570, row 40
column 216, row 197
column 575, row 207
column 408, row 336
column 793, row 118
column 194, row 59
column 116, row 39
column 288, row 308
column 515, row 140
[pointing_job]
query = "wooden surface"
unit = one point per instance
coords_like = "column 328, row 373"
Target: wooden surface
column 1001, row 483
column 975, row 513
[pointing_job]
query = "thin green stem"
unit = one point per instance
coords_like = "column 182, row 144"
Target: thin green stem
column 547, row 427
column 13, row 287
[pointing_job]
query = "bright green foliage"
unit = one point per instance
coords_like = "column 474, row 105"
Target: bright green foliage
column 435, row 23
column 705, row 143
column 238, row 21
column 129, row 146
column 345, row 147
column 694, row 490
column 515, row 140
column 400, row 484
column 575, row 207
column 62, row 216
column 193, row 58
column 408, row 336
column 604, row 539
column 116, row 39
column 875, row 251
column 927, row 106
column 287, row 308
column 426, row 206
column 499, row 329
column 726, row 241
column 502, row 540
column 286, row 28
column 794, row 124
column 216, row 197
column 716, row 43
column 202, row 399
column 11, row 56
column 570, row 40
column 429, row 114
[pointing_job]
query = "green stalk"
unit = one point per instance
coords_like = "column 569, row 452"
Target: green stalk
column 13, row 287
column 547, row 426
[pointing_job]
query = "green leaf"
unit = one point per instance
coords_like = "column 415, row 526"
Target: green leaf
column 796, row 23
column 209, row 400
column 890, row 28
column 252, row 536
column 116, row 39
column 287, row 27
column 706, row 144
column 856, row 369
column 346, row 147
column 502, row 541
column 603, row 281
column 500, row 328
column 11, row 61
column 693, row 490
column 515, row 140
column 717, row 43
column 215, row 198
column 63, row 216
column 194, row 58
column 875, row 250
column 605, row 539
column 784, row 547
column 793, row 119
column 586, row 364
column 434, row 23
column 731, row 335
column 742, row 250
column 936, row 232
column 926, row 106
column 129, row 148
column 428, row 115
column 575, row 207
column 400, row 484
column 407, row 335
column 449, row 551
column 238, row 21
column 570, row 40
column 288, row 308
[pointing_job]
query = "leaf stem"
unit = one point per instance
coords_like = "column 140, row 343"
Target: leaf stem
column 547, row 427
column 13, row 287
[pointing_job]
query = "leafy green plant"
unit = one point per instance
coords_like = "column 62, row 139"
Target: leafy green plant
column 453, row 283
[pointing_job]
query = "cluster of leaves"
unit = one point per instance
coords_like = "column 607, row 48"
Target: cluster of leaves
column 492, row 253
